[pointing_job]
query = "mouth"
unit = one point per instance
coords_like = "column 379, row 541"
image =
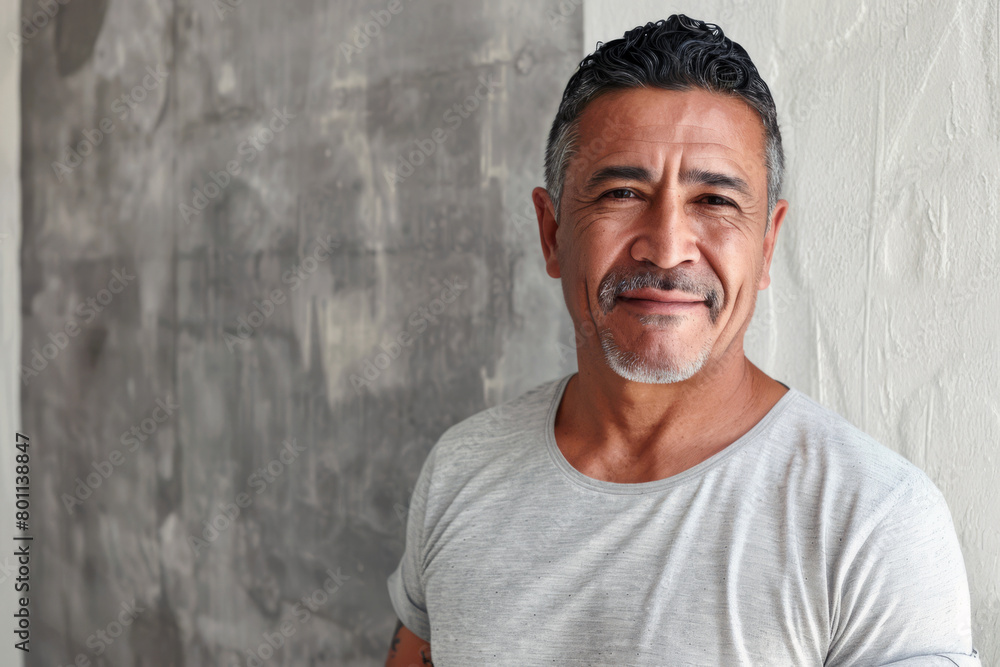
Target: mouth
column 661, row 296
column 660, row 301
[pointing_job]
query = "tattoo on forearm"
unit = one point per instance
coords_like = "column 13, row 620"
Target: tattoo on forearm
column 425, row 650
column 395, row 639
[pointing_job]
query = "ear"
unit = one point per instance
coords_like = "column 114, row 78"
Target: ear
column 777, row 217
column 547, row 228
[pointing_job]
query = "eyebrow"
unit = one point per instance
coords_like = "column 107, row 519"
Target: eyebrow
column 616, row 173
column 705, row 177
column 687, row 177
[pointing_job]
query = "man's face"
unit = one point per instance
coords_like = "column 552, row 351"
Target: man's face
column 661, row 241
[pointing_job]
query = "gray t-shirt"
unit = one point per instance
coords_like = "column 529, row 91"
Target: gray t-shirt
column 805, row 542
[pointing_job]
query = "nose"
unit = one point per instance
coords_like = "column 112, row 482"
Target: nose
column 665, row 235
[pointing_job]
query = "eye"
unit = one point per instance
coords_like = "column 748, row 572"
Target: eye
column 620, row 193
column 715, row 200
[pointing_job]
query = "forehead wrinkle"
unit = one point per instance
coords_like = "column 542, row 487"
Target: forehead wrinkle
column 735, row 136
column 622, row 146
column 623, row 130
column 706, row 164
column 677, row 126
column 732, row 149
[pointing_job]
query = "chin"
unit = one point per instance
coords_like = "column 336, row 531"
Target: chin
column 637, row 368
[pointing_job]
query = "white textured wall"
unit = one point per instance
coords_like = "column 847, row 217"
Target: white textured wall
column 884, row 304
column 10, row 309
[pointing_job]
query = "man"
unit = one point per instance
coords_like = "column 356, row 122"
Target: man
column 671, row 504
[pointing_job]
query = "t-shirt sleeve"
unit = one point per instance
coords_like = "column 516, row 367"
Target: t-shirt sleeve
column 406, row 583
column 904, row 598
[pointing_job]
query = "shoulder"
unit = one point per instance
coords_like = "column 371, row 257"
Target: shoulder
column 495, row 433
column 829, row 456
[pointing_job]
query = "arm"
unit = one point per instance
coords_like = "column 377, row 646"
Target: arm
column 407, row 649
column 904, row 598
column 406, row 584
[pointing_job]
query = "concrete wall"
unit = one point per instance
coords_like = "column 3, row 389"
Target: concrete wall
column 221, row 228
column 10, row 304
column 883, row 304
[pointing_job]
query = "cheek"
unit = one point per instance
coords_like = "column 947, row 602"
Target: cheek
column 586, row 269
column 731, row 256
column 599, row 237
column 592, row 251
column 742, row 280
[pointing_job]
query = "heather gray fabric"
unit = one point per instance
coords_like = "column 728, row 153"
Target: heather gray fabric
column 805, row 542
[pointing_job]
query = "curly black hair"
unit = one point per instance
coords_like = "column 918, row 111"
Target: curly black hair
column 678, row 53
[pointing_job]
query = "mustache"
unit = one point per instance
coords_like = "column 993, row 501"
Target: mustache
column 621, row 280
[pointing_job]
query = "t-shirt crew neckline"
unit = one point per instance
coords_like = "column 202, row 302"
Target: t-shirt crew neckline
column 624, row 488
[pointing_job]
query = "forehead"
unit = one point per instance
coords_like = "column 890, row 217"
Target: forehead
column 650, row 124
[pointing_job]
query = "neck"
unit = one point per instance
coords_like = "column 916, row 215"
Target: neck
column 663, row 428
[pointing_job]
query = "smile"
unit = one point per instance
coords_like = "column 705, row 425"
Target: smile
column 663, row 307
column 658, row 301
